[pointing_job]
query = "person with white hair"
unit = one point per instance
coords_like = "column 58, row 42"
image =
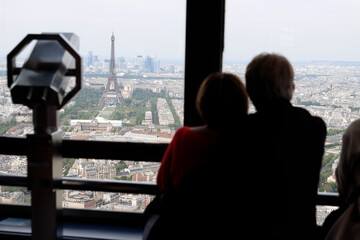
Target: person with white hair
column 281, row 153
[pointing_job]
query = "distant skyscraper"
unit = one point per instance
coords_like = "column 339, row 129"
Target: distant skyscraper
column 90, row 58
column 138, row 63
column 112, row 94
column 152, row 65
column 156, row 65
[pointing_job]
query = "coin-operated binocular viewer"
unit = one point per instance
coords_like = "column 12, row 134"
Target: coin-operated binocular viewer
column 41, row 84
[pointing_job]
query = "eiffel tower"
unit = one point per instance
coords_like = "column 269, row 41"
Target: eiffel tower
column 112, row 95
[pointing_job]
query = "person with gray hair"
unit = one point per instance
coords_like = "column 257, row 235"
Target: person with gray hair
column 279, row 155
column 344, row 223
column 269, row 76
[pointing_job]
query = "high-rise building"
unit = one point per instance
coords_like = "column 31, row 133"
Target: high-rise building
column 156, row 65
column 149, row 64
column 90, row 59
column 138, row 63
column 112, row 94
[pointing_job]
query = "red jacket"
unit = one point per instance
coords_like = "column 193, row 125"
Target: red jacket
column 187, row 151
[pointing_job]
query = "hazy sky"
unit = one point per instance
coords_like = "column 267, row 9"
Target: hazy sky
column 141, row 27
column 299, row 29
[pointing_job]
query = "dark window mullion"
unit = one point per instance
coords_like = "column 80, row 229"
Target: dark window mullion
column 203, row 50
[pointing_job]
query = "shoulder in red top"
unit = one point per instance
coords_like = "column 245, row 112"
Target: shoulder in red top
column 188, row 150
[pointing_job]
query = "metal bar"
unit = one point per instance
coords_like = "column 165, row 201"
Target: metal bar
column 330, row 199
column 147, row 152
column 117, row 218
column 110, row 150
column 15, row 210
column 77, row 215
column 150, row 152
column 14, row 235
column 106, row 186
column 96, row 216
column 13, row 145
column 87, row 184
column 9, row 180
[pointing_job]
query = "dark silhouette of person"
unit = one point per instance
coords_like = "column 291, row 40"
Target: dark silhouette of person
column 275, row 157
column 344, row 223
column 185, row 206
column 218, row 97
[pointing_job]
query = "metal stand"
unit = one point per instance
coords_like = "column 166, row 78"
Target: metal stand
column 45, row 166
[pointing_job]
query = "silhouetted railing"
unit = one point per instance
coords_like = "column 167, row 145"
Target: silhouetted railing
column 106, row 150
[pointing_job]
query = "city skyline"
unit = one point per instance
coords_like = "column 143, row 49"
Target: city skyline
column 326, row 90
column 154, row 106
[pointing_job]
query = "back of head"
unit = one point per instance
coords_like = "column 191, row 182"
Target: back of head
column 347, row 226
column 269, row 76
column 348, row 170
column 222, row 100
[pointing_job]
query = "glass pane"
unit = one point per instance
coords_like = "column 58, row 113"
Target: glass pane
column 133, row 57
column 133, row 63
column 13, row 165
column 110, row 169
column 320, row 39
column 322, row 212
column 15, row 119
column 108, row 201
column 142, row 172
column 14, row 195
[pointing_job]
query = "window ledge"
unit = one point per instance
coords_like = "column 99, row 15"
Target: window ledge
column 20, row 228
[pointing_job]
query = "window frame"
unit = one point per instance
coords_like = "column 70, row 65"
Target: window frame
column 205, row 24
